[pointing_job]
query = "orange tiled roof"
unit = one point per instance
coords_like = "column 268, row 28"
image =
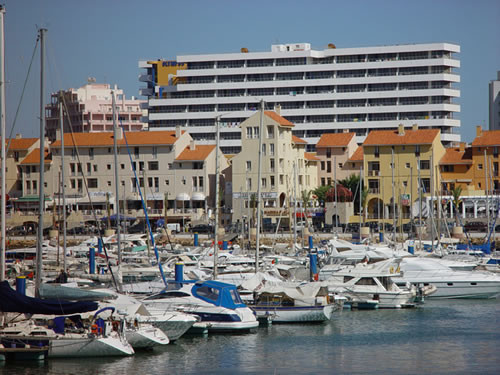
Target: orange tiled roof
column 298, row 140
column 310, row 156
column 455, row 156
column 199, row 153
column 105, row 139
column 335, row 139
column 34, row 157
column 410, row 137
column 487, row 138
column 17, row 144
column 279, row 119
column 358, row 155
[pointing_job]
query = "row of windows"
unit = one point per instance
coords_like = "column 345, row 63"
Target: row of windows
column 420, row 100
column 301, row 90
column 374, row 57
column 330, row 74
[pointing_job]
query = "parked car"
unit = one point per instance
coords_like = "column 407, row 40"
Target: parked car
column 202, row 228
column 19, row 230
column 476, row 226
column 352, row 228
column 140, row 227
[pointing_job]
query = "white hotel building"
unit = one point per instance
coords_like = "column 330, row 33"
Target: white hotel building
column 320, row 91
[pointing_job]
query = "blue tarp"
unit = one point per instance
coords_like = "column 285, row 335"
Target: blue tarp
column 485, row 248
column 12, row 301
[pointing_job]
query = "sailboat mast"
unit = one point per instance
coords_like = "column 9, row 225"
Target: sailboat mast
column 216, row 208
column 393, row 197
column 41, row 182
column 117, row 201
column 2, row 136
column 259, row 174
column 61, row 122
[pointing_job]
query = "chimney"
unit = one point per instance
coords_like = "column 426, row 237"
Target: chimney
column 479, row 131
column 461, row 146
column 119, row 133
column 19, row 136
column 414, row 127
column 401, row 129
column 277, row 109
column 345, row 130
column 177, row 132
column 192, row 145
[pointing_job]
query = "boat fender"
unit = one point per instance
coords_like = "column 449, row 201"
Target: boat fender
column 391, row 270
column 94, row 329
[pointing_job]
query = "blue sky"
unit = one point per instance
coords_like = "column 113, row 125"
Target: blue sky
column 105, row 39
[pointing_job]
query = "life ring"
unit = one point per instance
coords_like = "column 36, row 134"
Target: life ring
column 391, row 270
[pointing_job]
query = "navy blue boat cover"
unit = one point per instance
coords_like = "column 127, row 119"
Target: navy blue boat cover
column 12, row 301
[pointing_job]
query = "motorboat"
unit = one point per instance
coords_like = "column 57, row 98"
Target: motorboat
column 363, row 282
column 450, row 283
column 212, row 301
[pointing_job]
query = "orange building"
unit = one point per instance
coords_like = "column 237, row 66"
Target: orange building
column 485, row 150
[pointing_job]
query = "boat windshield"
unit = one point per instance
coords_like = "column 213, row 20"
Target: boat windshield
column 236, row 297
column 211, row 294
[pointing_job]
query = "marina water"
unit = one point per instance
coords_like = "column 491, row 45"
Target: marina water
column 440, row 337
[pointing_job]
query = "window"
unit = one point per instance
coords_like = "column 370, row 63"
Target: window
column 270, row 131
column 249, row 184
column 122, row 166
column 200, row 182
column 155, row 152
column 271, row 165
column 417, row 150
column 273, row 186
column 322, row 181
column 264, row 149
column 264, row 182
column 95, row 167
column 73, row 184
column 92, row 183
column 377, row 151
column 340, row 165
column 425, row 164
column 408, row 165
column 141, row 165
column 426, row 185
column 249, row 133
column 150, row 182
column 133, row 185
column 141, row 182
column 89, row 168
column 328, row 152
column 328, row 166
column 282, row 179
column 249, row 165
column 91, row 153
column 108, row 166
column 322, row 165
column 153, row 166
column 16, row 156
column 109, row 183
column 479, row 166
column 136, row 152
column 271, row 149
column 167, row 182
column 256, row 132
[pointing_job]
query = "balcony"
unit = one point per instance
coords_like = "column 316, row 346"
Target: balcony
column 374, row 191
column 373, row 173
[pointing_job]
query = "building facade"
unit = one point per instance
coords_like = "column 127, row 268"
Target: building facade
column 334, row 151
column 18, row 150
column 287, row 170
column 320, row 91
column 394, row 163
column 89, row 109
column 494, row 99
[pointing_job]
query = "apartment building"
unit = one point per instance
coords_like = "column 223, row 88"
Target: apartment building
column 485, row 159
column 393, row 164
column 321, row 91
column 168, row 166
column 18, row 150
column 333, row 151
column 89, row 109
column 287, row 169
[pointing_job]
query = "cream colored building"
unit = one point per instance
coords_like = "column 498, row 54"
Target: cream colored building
column 168, row 165
column 286, row 171
column 18, row 150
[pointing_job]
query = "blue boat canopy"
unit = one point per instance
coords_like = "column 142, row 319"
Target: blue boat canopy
column 218, row 293
column 12, row 301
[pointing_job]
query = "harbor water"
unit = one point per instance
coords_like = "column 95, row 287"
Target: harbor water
column 440, row 337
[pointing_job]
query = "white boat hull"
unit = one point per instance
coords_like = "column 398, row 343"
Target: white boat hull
column 89, row 347
column 465, row 289
column 173, row 324
column 295, row 314
column 146, row 337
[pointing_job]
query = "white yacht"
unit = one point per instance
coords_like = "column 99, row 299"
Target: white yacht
column 450, row 283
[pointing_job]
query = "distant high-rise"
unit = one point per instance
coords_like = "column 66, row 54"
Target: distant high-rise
column 320, row 91
column 495, row 103
column 90, row 110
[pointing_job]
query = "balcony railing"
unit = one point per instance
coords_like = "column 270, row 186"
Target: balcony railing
column 373, row 173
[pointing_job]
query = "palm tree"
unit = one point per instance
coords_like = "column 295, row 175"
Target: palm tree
column 456, row 193
column 364, row 203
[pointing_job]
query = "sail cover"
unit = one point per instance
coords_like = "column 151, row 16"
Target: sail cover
column 12, row 301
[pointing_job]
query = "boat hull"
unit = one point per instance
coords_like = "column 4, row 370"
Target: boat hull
column 295, row 314
column 146, row 337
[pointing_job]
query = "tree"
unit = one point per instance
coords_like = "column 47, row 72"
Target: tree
column 364, row 202
column 352, row 183
column 456, row 193
column 320, row 192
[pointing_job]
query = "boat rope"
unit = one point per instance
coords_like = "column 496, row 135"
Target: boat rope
column 144, row 208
